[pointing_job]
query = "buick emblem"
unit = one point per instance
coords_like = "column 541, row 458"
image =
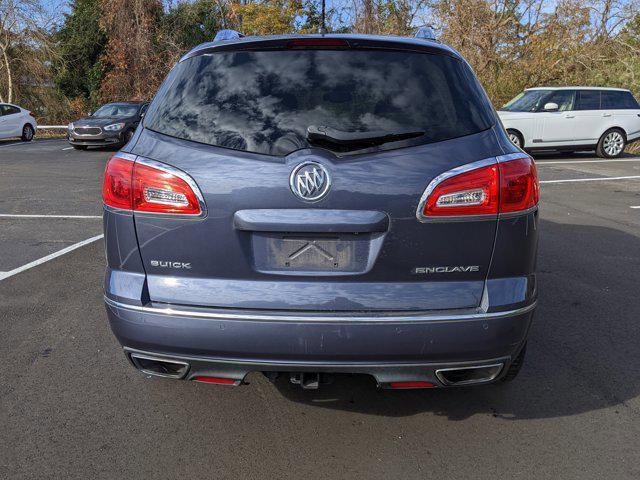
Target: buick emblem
column 310, row 181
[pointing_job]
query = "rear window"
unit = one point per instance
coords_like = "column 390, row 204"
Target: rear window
column 618, row 100
column 264, row 101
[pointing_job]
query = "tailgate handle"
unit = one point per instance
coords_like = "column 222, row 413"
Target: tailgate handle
column 311, row 220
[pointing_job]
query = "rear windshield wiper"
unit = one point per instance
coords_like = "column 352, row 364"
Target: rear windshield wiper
column 320, row 135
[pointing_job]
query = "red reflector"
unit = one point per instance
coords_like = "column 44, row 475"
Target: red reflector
column 412, row 385
column 116, row 188
column 140, row 187
column 218, row 380
column 518, row 185
column 317, row 42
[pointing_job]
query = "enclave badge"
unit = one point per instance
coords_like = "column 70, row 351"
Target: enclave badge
column 447, row 269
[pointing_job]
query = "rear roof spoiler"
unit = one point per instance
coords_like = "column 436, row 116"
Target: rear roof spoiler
column 233, row 40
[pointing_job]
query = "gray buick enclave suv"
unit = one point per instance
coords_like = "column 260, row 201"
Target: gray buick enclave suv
column 306, row 205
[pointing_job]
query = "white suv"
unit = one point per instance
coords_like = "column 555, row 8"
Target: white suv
column 16, row 122
column 573, row 118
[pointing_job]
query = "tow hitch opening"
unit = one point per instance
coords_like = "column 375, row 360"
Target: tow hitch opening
column 310, row 380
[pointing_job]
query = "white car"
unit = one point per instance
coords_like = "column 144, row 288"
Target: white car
column 16, row 122
column 573, row 118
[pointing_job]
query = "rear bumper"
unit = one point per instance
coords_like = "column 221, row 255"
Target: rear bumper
column 390, row 348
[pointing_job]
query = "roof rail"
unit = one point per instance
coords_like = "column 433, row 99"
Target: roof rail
column 227, row 35
column 425, row 33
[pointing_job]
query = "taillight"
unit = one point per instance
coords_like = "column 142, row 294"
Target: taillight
column 518, row 185
column 159, row 191
column 510, row 185
column 145, row 188
column 470, row 193
column 117, row 190
column 318, row 43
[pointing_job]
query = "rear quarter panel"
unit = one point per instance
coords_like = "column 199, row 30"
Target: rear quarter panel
column 629, row 121
column 524, row 123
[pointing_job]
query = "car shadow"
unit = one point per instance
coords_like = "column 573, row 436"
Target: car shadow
column 9, row 141
column 583, row 350
column 576, row 156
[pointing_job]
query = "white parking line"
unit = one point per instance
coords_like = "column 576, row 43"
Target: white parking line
column 68, row 148
column 10, row 215
column 40, row 261
column 569, row 162
column 636, row 206
column 598, row 179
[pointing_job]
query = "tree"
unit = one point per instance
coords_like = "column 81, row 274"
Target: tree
column 514, row 44
column 191, row 23
column 387, row 17
column 25, row 49
column 81, row 42
column 267, row 17
column 135, row 64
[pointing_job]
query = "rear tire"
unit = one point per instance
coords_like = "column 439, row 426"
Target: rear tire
column 516, row 138
column 27, row 133
column 611, row 143
column 515, row 366
column 79, row 147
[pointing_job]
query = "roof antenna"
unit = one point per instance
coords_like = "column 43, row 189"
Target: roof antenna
column 323, row 28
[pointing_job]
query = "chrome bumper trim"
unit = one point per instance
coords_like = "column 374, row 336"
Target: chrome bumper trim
column 382, row 318
column 320, row 365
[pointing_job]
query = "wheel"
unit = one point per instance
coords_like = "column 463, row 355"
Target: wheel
column 515, row 138
column 79, row 147
column 611, row 143
column 27, row 133
column 515, row 366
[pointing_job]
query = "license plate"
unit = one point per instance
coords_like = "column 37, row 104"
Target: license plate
column 308, row 254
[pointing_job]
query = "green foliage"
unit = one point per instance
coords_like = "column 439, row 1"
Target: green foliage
column 191, row 23
column 77, row 69
column 624, row 68
column 268, row 17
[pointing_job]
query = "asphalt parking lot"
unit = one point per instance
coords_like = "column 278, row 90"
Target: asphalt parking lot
column 72, row 407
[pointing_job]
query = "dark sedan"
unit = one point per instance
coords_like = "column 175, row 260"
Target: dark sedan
column 112, row 124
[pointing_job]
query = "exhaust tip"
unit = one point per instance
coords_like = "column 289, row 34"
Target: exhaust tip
column 469, row 375
column 159, row 367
